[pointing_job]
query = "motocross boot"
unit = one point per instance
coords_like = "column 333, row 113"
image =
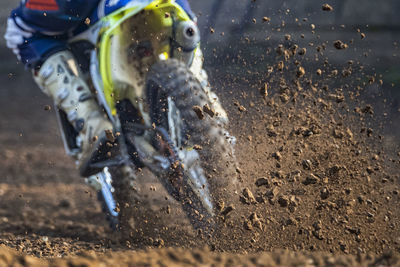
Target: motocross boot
column 60, row 78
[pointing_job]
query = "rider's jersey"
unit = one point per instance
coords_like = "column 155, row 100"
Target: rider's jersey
column 39, row 28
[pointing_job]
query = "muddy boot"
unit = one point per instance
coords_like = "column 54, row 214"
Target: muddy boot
column 60, row 78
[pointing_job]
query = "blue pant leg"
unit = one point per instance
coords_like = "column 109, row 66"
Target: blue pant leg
column 35, row 50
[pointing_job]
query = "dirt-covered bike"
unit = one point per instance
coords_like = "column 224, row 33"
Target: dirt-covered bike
column 146, row 70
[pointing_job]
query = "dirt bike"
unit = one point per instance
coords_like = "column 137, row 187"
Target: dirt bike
column 146, row 70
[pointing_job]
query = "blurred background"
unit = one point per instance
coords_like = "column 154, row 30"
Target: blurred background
column 232, row 28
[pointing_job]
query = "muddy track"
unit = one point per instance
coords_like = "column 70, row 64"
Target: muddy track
column 313, row 180
column 196, row 257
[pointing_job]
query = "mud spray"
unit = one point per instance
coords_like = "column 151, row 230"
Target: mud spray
column 318, row 150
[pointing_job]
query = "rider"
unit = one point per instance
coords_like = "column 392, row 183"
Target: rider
column 38, row 32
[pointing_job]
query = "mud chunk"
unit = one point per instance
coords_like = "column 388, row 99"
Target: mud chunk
column 280, row 50
column 317, row 230
column 291, row 221
column 303, row 131
column 371, row 79
column 283, row 201
column 353, row 230
column 239, row 106
column 319, row 72
column 335, row 72
column 220, row 205
column 336, row 97
column 256, row 221
column 284, row 98
column 199, row 112
column 228, row 210
column 343, row 247
column 117, row 208
column 300, row 72
column 262, row 181
column 272, row 194
column 247, row 225
column 210, row 111
column 212, row 30
column 261, row 198
column 318, row 235
column 47, row 107
column 347, row 72
column 248, row 197
column 324, row 193
column 313, row 129
column 311, row 179
column 327, row 7
column 293, row 176
column 197, row 147
column 340, row 45
column 110, row 135
column 277, row 155
column 349, row 133
column 306, row 164
column 264, row 90
column 158, row 243
column 334, row 171
column 280, row 66
column 266, row 19
column 242, row 108
column 271, row 132
column 317, row 225
column 368, row 109
column 362, row 35
column 292, row 204
column 338, row 133
column 302, row 51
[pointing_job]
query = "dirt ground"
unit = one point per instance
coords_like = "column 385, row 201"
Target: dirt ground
column 318, row 155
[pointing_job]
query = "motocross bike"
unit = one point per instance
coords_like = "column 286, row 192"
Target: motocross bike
column 146, row 71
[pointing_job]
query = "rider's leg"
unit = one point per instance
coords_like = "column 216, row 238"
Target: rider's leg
column 60, row 78
column 58, row 75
